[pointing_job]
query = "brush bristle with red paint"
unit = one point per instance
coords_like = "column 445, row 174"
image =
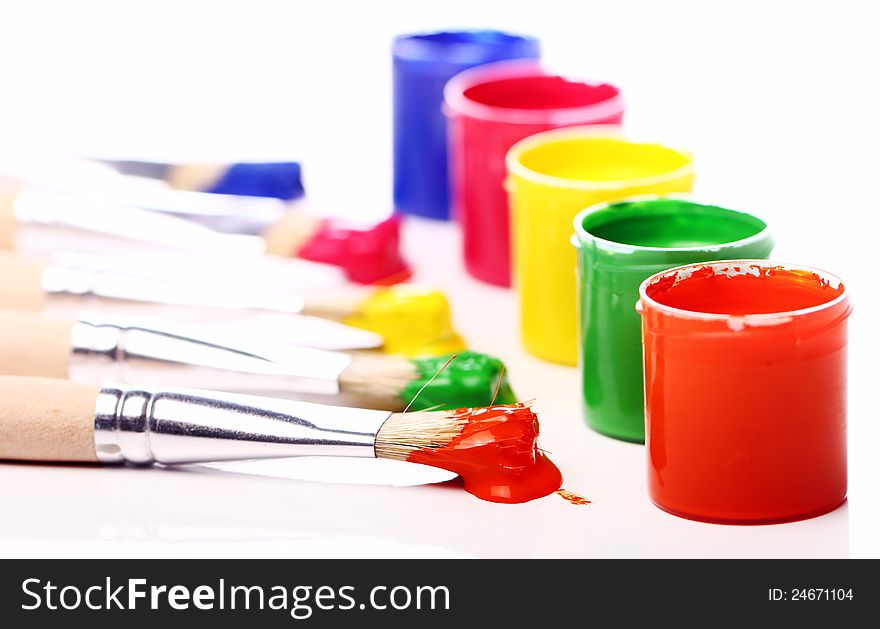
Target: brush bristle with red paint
column 494, row 449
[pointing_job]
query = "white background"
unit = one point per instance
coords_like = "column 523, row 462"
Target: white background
column 778, row 100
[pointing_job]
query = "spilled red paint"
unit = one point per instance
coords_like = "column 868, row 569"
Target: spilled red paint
column 368, row 255
column 571, row 498
column 496, row 455
column 746, row 418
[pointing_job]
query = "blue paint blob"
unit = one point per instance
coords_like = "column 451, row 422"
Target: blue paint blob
column 281, row 180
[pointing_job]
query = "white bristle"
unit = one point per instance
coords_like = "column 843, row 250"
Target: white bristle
column 338, row 304
column 291, row 233
column 377, row 380
column 405, row 433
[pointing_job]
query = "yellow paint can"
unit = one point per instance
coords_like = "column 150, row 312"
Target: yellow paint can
column 552, row 176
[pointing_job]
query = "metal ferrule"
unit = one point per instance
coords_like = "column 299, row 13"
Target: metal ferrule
column 175, row 426
column 82, row 281
column 104, row 348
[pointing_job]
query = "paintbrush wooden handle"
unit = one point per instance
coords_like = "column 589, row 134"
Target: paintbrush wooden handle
column 8, row 192
column 290, row 233
column 43, row 419
column 34, row 345
column 21, row 282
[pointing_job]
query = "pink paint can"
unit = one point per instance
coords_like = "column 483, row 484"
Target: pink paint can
column 490, row 108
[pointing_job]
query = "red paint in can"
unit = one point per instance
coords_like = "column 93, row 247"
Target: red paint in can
column 745, row 391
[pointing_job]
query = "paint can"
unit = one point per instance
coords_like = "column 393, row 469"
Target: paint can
column 618, row 246
column 490, row 108
column 745, row 391
column 422, row 64
column 551, row 177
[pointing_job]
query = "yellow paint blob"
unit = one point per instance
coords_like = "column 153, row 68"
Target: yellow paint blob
column 551, row 177
column 414, row 321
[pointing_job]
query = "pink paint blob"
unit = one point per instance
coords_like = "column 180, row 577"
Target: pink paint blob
column 369, row 255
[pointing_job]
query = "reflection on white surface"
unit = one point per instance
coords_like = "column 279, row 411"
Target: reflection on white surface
column 233, row 549
column 338, row 470
column 169, row 512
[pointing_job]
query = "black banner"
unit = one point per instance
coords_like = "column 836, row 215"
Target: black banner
column 434, row 593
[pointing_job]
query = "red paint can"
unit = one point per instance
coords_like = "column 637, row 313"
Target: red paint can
column 745, row 391
column 490, row 108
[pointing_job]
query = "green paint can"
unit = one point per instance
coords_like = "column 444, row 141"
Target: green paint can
column 619, row 245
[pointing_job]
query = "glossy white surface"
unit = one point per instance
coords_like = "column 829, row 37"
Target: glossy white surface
column 778, row 102
column 241, row 510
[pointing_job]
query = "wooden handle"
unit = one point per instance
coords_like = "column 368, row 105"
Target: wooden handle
column 21, row 282
column 43, row 419
column 34, row 345
column 8, row 192
column 291, row 233
column 195, row 175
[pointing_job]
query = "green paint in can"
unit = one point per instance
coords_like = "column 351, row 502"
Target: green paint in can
column 620, row 245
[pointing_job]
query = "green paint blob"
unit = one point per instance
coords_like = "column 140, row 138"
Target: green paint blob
column 469, row 381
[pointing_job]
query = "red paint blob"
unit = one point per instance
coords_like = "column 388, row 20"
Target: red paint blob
column 571, row 498
column 496, row 455
column 745, row 417
column 369, row 256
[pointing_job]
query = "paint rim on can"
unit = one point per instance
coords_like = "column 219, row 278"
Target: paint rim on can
column 456, row 46
column 458, row 102
column 591, row 133
column 739, row 267
column 582, row 234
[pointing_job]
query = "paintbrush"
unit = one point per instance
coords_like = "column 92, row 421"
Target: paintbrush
column 368, row 252
column 279, row 180
column 412, row 320
column 96, row 348
column 58, row 225
column 42, row 419
column 39, row 219
column 243, row 198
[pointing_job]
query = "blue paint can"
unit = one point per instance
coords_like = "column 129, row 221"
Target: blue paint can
column 423, row 63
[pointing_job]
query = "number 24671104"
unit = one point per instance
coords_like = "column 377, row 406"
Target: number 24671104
column 810, row 594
